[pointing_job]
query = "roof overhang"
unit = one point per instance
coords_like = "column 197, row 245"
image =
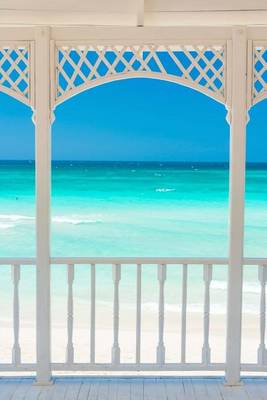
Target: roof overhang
column 133, row 12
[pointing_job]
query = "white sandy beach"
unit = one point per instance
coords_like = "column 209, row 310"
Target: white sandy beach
column 104, row 337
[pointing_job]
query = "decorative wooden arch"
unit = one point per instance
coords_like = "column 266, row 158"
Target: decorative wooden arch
column 258, row 88
column 16, row 71
column 83, row 66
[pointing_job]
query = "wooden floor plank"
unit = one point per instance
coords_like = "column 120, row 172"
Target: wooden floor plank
column 160, row 389
column 188, row 388
column 175, row 389
column 212, row 386
column 93, row 393
column 124, row 389
column 73, row 390
column 199, row 388
column 103, row 391
column 58, row 390
column 34, row 393
column 149, row 389
column 8, row 387
column 22, row 389
column 256, row 389
column 137, row 389
column 46, row 392
column 113, row 389
column 253, row 391
column 144, row 388
column 84, row 390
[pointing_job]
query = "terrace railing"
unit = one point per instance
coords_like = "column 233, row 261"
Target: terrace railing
column 163, row 265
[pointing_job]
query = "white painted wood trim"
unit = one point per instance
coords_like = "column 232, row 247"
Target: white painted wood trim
column 92, row 316
column 70, row 347
column 162, row 274
column 142, row 260
column 115, row 354
column 183, row 313
column 207, row 277
column 262, row 353
column 16, row 352
column 237, row 189
column 147, row 34
column 138, row 312
column 43, row 177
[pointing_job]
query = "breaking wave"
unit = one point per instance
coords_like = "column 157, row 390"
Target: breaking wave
column 165, row 190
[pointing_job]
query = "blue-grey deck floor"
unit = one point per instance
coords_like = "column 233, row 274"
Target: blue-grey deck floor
column 111, row 388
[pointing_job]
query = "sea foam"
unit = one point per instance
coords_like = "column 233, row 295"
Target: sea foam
column 15, row 217
column 164, row 190
column 75, row 220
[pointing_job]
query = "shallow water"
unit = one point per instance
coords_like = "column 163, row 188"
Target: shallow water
column 134, row 209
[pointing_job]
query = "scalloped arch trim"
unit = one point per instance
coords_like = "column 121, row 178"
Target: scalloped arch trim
column 80, row 67
column 15, row 71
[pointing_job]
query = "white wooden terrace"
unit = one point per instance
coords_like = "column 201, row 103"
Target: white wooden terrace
column 52, row 51
column 132, row 388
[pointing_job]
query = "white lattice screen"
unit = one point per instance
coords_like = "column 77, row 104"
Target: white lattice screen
column 82, row 66
column 15, row 71
column 259, row 85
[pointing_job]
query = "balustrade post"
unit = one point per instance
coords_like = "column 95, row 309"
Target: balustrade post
column 92, row 327
column 70, row 348
column 161, row 347
column 183, row 313
column 262, row 354
column 138, row 312
column 116, row 348
column 238, row 120
column 16, row 353
column 42, row 120
column 207, row 276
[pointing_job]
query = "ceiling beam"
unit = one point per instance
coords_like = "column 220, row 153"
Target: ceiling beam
column 140, row 12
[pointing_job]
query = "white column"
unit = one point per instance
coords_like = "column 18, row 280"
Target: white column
column 43, row 175
column 238, row 120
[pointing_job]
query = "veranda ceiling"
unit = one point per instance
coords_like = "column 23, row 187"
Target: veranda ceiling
column 133, row 12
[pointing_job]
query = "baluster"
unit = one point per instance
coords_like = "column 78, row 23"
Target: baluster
column 138, row 312
column 262, row 354
column 161, row 348
column 70, row 349
column 115, row 355
column 16, row 352
column 183, row 313
column 207, row 277
column 92, row 334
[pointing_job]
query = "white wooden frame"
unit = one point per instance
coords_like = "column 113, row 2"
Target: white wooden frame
column 240, row 75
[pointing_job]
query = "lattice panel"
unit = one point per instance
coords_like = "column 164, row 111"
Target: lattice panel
column 15, row 71
column 259, row 86
column 79, row 67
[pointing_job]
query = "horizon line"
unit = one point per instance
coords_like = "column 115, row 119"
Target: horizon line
column 133, row 161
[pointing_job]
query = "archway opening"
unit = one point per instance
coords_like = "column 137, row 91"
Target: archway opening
column 135, row 122
column 140, row 168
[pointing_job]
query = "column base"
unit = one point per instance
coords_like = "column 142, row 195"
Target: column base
column 237, row 384
column 44, row 383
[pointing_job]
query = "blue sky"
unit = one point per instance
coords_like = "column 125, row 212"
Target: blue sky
column 137, row 119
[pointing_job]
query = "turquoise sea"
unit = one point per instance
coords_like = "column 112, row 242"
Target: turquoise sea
column 133, row 209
